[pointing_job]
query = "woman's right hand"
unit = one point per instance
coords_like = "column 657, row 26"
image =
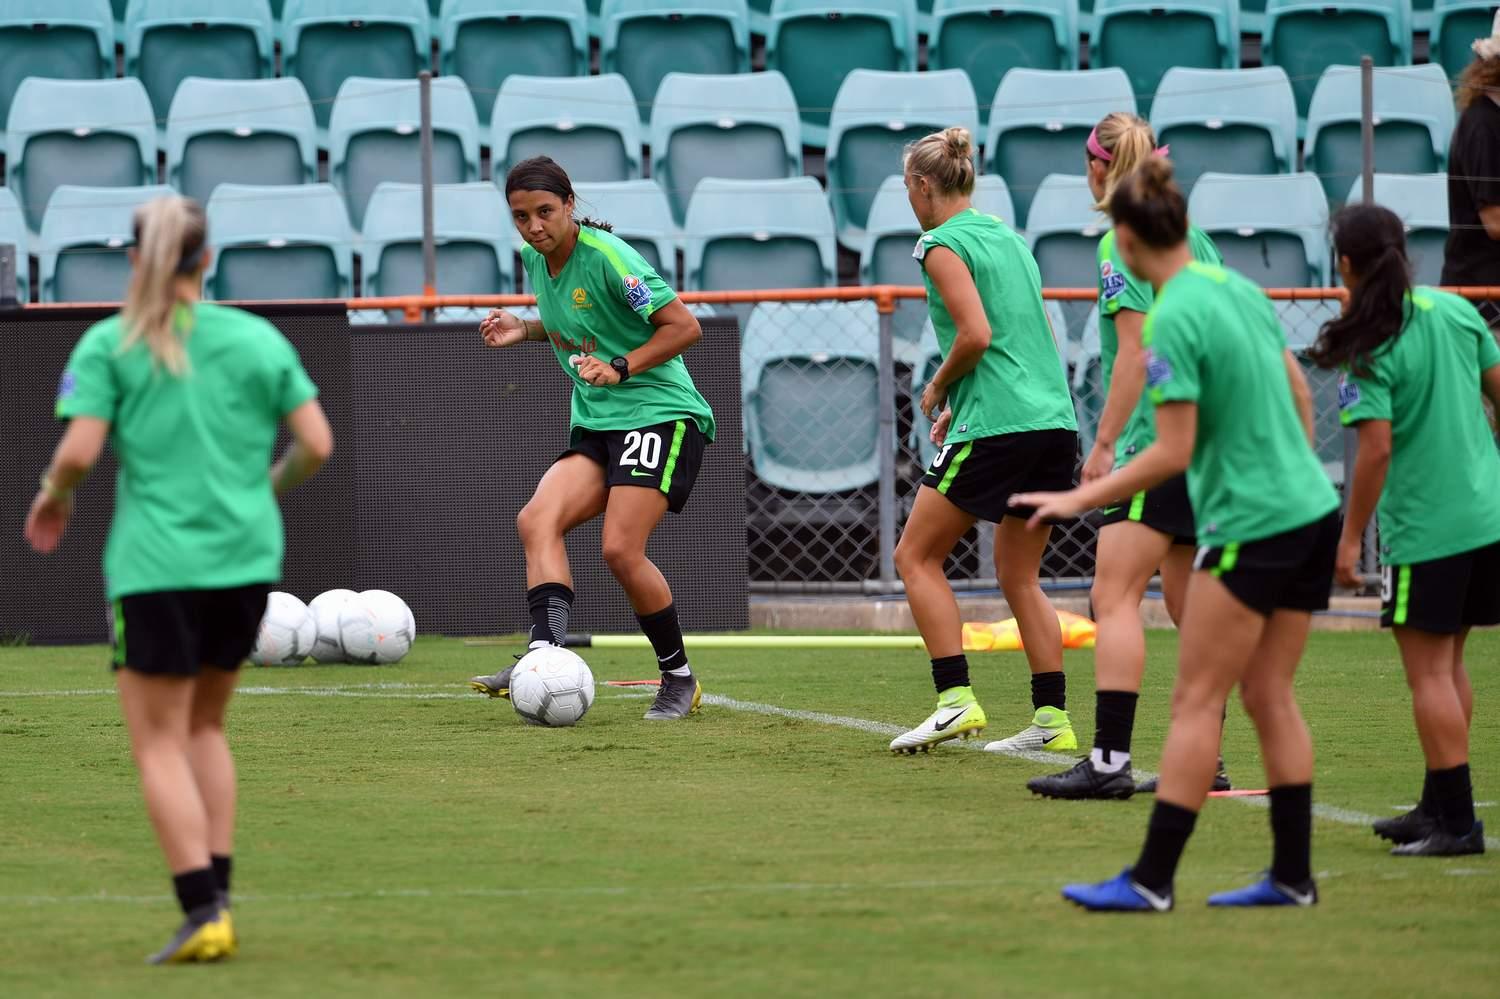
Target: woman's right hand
column 502, row 329
column 1100, row 462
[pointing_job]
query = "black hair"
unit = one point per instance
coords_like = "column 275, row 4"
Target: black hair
column 1149, row 201
column 1374, row 240
column 543, row 173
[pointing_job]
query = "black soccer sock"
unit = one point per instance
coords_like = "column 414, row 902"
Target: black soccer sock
column 550, row 604
column 1427, row 802
column 222, row 866
column 950, row 671
column 1049, row 690
column 195, row 889
column 1166, row 838
column 1291, row 834
column 1452, row 798
column 665, row 635
column 1114, row 719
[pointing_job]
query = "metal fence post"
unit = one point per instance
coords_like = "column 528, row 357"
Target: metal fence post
column 429, row 244
column 1369, row 556
column 887, row 400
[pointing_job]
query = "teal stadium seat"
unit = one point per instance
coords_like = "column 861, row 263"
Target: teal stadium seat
column 90, row 133
column 484, row 41
column 324, row 42
column 61, row 39
column 167, row 41
column 810, row 377
column 1040, row 120
column 644, row 40
column 640, row 215
column 760, row 17
column 1243, row 120
column 1422, row 16
column 817, row 43
column 1422, row 202
column 989, row 38
column 1455, row 25
column 1252, row 16
column 240, row 132
column 743, row 127
column 588, row 124
column 748, row 234
column 1145, row 38
column 891, row 233
column 119, row 7
column 1063, row 231
column 875, row 115
column 375, row 135
column 279, row 243
column 1414, row 118
column 81, row 253
column 1305, row 37
column 13, row 231
column 1271, row 228
column 471, row 227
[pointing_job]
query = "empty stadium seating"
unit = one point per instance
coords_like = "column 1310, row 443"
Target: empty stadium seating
column 744, row 234
column 241, row 132
column 1063, row 231
column 62, row 39
column 1273, row 229
column 472, row 230
column 324, row 42
column 588, row 124
column 484, row 41
column 988, row 38
column 275, row 243
column 82, row 249
column 1244, row 120
column 13, row 231
column 1147, row 37
column 644, row 40
column 1455, row 25
column 167, row 41
column 1305, row 37
column 1422, row 202
column 639, row 213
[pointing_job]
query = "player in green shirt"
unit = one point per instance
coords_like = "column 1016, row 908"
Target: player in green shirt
column 1417, row 366
column 189, row 396
column 1154, row 528
column 1003, row 422
column 1232, row 409
column 638, row 426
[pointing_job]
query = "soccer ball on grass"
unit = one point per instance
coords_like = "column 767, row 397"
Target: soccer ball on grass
column 551, row 686
column 286, row 634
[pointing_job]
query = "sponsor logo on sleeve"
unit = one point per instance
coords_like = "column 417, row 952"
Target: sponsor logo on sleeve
column 1158, row 369
column 1111, row 281
column 67, row 386
column 1348, row 393
column 637, row 293
column 919, row 251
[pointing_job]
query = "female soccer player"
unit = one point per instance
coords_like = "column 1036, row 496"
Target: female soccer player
column 1417, row 364
column 1003, row 420
column 638, row 424
column 1233, row 409
column 1153, row 529
column 190, row 396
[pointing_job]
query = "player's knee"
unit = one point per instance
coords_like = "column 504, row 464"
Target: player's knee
column 1264, row 700
column 621, row 554
column 533, row 524
column 1015, row 579
column 908, row 557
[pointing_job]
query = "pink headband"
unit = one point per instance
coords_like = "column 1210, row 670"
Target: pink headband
column 1099, row 152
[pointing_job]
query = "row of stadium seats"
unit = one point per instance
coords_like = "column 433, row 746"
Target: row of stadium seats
column 297, row 242
column 814, row 43
column 99, row 133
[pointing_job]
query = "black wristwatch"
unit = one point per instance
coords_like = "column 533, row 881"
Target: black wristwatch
column 622, row 368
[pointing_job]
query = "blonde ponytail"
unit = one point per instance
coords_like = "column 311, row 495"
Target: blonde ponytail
column 946, row 158
column 170, row 234
column 1130, row 142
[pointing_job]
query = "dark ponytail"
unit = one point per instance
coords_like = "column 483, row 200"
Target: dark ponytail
column 1149, row 201
column 543, row 173
column 1374, row 240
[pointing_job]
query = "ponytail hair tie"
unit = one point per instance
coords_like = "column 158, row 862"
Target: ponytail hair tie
column 1098, row 151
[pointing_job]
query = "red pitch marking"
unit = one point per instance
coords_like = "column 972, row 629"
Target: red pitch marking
column 1239, row 792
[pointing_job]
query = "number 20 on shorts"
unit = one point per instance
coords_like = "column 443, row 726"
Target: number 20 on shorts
column 643, row 449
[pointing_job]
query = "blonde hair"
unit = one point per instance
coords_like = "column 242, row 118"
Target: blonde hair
column 1129, row 140
column 170, row 236
column 946, row 158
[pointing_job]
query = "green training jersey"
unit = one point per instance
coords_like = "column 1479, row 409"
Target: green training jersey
column 194, row 508
column 1212, row 338
column 1442, row 493
column 1019, row 383
column 600, row 303
column 1120, row 289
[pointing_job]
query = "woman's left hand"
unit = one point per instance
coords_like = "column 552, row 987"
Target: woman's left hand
column 597, row 372
column 47, row 521
column 1049, row 506
column 1346, row 565
column 933, row 399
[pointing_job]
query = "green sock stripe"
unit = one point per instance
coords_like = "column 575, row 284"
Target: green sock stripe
column 119, row 633
column 1403, row 595
column 958, row 459
column 1137, row 502
column 1228, row 559
column 677, row 436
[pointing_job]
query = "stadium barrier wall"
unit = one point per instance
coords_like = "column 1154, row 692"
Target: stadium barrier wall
column 439, row 443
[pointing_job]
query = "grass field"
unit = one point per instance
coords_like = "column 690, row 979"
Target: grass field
column 399, row 836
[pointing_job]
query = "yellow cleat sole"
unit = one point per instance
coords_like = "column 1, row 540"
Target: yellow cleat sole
column 480, row 688
column 697, row 699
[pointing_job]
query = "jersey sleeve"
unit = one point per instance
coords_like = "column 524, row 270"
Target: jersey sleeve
column 1173, row 357
column 1365, row 397
column 1118, row 288
column 635, row 282
column 291, row 386
column 89, row 385
column 1489, row 351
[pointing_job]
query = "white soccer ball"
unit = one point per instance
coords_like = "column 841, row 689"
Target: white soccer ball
column 376, row 626
column 552, row 686
column 325, row 607
column 286, row 634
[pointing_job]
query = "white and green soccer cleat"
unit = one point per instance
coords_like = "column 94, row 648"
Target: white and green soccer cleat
column 1049, row 729
column 961, row 719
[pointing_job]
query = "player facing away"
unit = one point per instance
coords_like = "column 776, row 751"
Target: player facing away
column 1003, row 423
column 638, row 425
column 1417, row 365
column 190, row 396
column 1233, row 409
column 1148, row 531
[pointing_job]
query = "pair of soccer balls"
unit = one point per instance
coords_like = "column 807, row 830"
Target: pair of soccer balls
column 339, row 626
column 552, row 686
